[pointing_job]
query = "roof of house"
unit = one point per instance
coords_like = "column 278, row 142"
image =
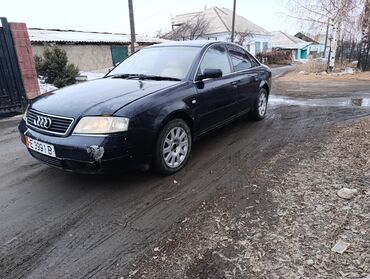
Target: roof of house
column 72, row 36
column 220, row 21
column 306, row 37
column 284, row 40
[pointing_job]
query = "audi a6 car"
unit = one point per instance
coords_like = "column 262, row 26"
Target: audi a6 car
column 148, row 110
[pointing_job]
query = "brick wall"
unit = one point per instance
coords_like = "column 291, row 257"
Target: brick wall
column 25, row 59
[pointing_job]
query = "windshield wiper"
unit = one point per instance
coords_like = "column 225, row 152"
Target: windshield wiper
column 142, row 76
column 163, row 78
column 119, row 76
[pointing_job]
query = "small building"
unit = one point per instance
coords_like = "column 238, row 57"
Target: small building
column 218, row 27
column 317, row 48
column 90, row 51
column 299, row 48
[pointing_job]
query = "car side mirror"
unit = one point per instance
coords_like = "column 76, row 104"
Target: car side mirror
column 210, row 73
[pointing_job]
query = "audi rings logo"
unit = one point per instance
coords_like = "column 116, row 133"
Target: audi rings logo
column 42, row 122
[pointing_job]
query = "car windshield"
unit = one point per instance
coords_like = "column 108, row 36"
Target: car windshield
column 161, row 62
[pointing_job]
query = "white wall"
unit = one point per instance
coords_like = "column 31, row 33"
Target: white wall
column 250, row 43
column 317, row 47
column 85, row 57
column 259, row 39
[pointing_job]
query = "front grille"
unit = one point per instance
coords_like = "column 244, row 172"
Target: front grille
column 59, row 125
column 47, row 159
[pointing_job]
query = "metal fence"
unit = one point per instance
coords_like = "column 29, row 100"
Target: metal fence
column 11, row 86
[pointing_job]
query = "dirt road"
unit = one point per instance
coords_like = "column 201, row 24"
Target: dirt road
column 56, row 224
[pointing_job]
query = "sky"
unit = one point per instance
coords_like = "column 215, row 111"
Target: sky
column 150, row 15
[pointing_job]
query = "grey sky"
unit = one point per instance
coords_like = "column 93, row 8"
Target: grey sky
column 150, row 16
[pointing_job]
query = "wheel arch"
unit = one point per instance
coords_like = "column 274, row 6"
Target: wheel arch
column 181, row 114
column 266, row 86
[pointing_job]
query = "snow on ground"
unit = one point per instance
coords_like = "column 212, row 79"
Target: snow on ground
column 82, row 77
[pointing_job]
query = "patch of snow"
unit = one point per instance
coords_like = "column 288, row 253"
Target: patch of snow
column 45, row 35
column 91, row 75
column 45, row 87
column 349, row 70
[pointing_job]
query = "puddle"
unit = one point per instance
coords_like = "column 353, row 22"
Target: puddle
column 323, row 102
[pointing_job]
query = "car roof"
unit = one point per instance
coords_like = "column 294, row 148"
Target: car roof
column 195, row 43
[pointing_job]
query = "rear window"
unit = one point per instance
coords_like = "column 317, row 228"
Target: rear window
column 239, row 58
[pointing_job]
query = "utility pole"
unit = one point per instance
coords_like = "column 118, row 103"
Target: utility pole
column 233, row 23
column 132, row 26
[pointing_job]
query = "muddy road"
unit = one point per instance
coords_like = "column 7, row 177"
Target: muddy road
column 60, row 225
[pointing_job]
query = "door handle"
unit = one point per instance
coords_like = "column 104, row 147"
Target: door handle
column 235, row 83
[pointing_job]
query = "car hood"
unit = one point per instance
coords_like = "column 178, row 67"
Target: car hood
column 98, row 97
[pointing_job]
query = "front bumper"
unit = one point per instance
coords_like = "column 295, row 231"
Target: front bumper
column 78, row 153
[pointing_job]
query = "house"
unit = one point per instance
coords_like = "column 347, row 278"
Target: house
column 89, row 51
column 317, row 48
column 284, row 41
column 217, row 22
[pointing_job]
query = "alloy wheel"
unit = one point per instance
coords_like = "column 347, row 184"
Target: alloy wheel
column 262, row 104
column 175, row 147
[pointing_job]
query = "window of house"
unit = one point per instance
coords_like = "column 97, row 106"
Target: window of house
column 257, row 47
column 265, row 46
column 216, row 58
column 239, row 58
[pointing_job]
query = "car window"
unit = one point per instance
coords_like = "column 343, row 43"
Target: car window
column 216, row 58
column 174, row 62
column 239, row 58
column 254, row 61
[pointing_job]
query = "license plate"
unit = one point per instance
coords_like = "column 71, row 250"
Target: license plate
column 40, row 147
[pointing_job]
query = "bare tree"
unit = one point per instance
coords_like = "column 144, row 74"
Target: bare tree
column 341, row 15
column 192, row 29
column 365, row 37
column 160, row 33
column 243, row 37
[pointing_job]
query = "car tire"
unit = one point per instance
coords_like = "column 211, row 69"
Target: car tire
column 173, row 147
column 260, row 106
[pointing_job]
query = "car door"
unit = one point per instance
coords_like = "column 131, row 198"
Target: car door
column 248, row 77
column 217, row 96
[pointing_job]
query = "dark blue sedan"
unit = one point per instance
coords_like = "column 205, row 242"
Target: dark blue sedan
column 148, row 110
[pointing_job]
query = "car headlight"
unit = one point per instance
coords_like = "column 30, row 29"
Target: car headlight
column 101, row 125
column 25, row 114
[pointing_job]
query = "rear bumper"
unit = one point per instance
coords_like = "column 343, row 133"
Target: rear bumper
column 80, row 153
